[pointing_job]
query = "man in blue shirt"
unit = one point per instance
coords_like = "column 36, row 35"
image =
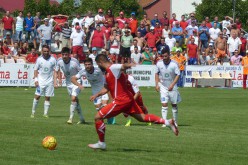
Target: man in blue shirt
column 203, row 35
column 29, row 28
column 177, row 32
column 155, row 20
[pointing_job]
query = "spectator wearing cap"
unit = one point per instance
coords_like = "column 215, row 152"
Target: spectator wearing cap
column 114, row 46
column 236, row 59
column 183, row 22
column 192, row 19
column 77, row 19
column 126, row 42
column 77, row 40
column 165, row 20
column 214, row 33
column 8, row 22
column 32, row 57
column 244, row 44
column 93, row 55
column 45, row 32
column 99, row 18
column 245, row 69
column 146, row 21
column 136, row 56
column 109, row 17
column 107, row 31
column 190, row 28
column 192, row 52
column 181, row 60
column 29, row 25
column 233, row 43
column 208, row 23
column 170, row 41
column 173, row 20
column 155, row 20
column 226, row 24
column 177, row 32
column 163, row 45
column 204, row 35
column 133, row 24
column 121, row 20
column 88, row 20
column 65, row 35
column 19, row 27
column 151, row 38
column 147, row 57
column 142, row 29
column 98, row 39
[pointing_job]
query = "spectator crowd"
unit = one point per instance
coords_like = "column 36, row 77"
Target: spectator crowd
column 125, row 39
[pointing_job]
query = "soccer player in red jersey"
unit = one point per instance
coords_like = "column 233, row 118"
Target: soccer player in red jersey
column 123, row 101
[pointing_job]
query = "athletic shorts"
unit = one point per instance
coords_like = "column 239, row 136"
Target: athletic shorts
column 46, row 90
column 220, row 53
column 127, row 106
column 125, row 52
column 166, row 96
column 73, row 90
column 99, row 99
column 115, row 51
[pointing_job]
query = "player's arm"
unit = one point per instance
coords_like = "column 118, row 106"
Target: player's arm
column 55, row 79
column 126, row 66
column 59, row 76
column 173, row 83
column 36, row 78
column 75, row 82
column 103, row 91
column 136, row 95
column 156, row 82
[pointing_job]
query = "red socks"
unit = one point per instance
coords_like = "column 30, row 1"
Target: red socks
column 100, row 129
column 154, row 119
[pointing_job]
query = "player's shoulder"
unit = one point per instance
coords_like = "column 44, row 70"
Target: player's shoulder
column 59, row 60
column 52, row 59
column 74, row 60
column 159, row 63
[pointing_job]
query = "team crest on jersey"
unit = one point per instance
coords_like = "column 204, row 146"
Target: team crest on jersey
column 166, row 75
column 46, row 69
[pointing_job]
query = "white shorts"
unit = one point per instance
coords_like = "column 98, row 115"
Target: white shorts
column 172, row 96
column 114, row 51
column 47, row 90
column 99, row 99
column 73, row 90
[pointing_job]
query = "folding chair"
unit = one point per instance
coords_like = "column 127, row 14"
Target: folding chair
column 205, row 75
column 196, row 76
column 11, row 60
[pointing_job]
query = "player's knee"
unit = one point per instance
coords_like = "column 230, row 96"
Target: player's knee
column 98, row 117
column 174, row 109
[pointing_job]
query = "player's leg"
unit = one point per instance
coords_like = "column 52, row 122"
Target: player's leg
column 35, row 104
column 105, row 99
column 49, row 92
column 80, row 112
column 244, row 80
column 164, row 98
column 174, row 98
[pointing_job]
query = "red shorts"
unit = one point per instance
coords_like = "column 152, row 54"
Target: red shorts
column 127, row 106
column 78, row 50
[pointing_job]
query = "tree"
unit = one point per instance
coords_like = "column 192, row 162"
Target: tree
column 30, row 6
column 222, row 8
column 44, row 7
column 67, row 7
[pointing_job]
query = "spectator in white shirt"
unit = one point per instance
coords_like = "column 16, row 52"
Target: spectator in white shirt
column 170, row 41
column 136, row 56
column 214, row 32
column 77, row 19
column 99, row 18
column 234, row 43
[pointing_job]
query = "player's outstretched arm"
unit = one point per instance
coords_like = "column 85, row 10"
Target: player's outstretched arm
column 127, row 66
column 75, row 82
column 59, row 76
column 103, row 91
column 55, row 79
column 156, row 82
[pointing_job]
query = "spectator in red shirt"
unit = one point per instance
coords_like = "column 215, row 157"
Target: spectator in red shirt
column 133, row 24
column 7, row 21
column 192, row 51
column 107, row 31
column 32, row 57
column 158, row 30
column 110, row 18
column 173, row 20
column 5, row 49
column 183, row 23
column 151, row 39
column 208, row 24
column 238, row 23
column 121, row 20
column 165, row 20
column 244, row 44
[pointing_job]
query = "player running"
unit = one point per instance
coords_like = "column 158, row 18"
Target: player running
column 45, row 80
column 166, row 76
column 70, row 67
column 123, row 101
column 96, row 79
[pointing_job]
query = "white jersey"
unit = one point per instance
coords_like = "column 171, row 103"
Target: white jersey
column 69, row 70
column 45, row 69
column 133, row 83
column 167, row 73
column 96, row 79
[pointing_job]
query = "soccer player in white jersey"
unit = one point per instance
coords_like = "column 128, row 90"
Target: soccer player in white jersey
column 70, row 67
column 45, row 79
column 166, row 76
column 96, row 79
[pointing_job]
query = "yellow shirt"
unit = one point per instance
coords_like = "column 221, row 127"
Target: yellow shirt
column 245, row 65
column 180, row 60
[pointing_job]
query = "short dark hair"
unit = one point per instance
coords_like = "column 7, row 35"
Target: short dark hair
column 88, row 60
column 164, row 51
column 65, row 50
column 102, row 57
column 46, row 46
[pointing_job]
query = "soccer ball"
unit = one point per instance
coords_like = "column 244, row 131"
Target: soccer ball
column 49, row 142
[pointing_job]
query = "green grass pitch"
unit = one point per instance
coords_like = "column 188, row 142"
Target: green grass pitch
column 212, row 123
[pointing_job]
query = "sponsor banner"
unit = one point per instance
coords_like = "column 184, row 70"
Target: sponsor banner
column 235, row 71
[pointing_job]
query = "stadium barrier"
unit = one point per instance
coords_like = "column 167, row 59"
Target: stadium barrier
column 22, row 74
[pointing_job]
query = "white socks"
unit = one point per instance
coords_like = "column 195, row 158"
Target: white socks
column 164, row 112
column 46, row 107
column 175, row 113
column 72, row 109
column 35, row 104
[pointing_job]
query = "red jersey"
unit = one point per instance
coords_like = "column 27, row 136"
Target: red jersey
column 121, row 22
column 209, row 25
column 6, row 50
column 192, row 50
column 97, row 39
column 133, row 24
column 172, row 20
column 243, row 45
column 7, row 22
column 151, row 39
column 117, row 83
column 106, row 31
column 158, row 31
column 59, row 20
column 110, row 19
column 31, row 58
column 183, row 24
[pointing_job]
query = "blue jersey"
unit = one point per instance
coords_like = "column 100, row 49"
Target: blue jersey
column 29, row 22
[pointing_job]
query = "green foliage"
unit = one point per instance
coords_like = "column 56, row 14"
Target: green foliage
column 66, row 7
column 44, row 7
column 30, row 6
column 222, row 8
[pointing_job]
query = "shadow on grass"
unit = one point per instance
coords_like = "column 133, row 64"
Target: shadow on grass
column 132, row 150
